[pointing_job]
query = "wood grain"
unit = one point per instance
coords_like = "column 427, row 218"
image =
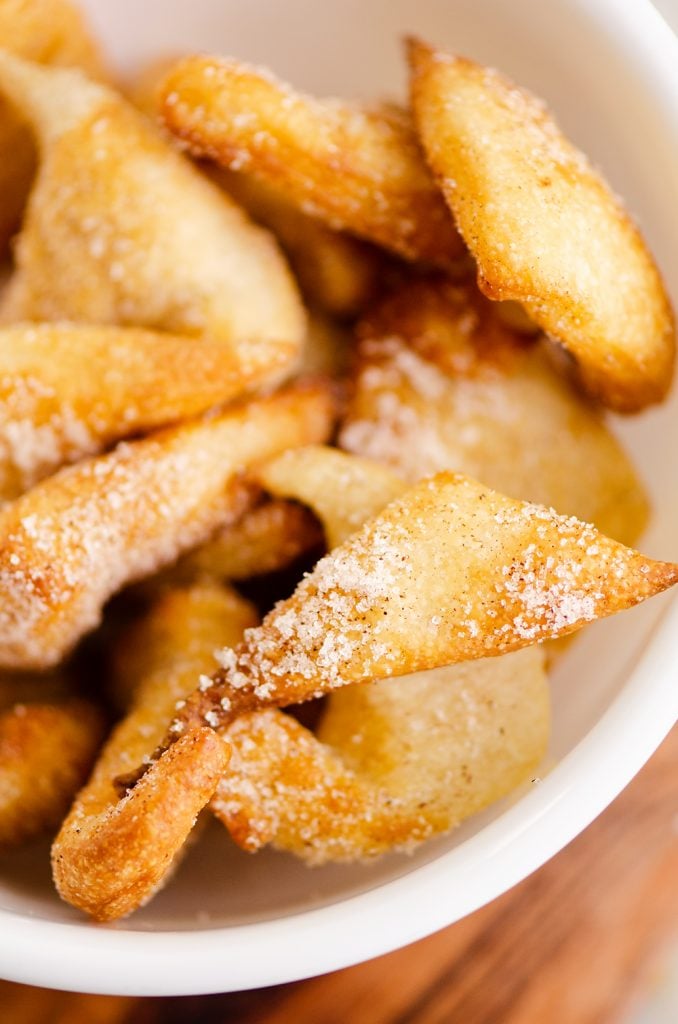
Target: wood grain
column 570, row 945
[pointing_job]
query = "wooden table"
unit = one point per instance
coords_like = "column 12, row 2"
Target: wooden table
column 570, row 945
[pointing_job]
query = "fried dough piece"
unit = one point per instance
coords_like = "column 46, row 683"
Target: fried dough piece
column 106, row 861
column 48, row 32
column 544, row 227
column 338, row 274
column 454, row 739
column 70, row 390
column 46, row 751
column 355, row 169
column 399, row 760
column 67, row 545
column 118, row 862
column 450, row 572
column 441, row 383
column 342, row 490
column 120, row 229
column 48, row 742
column 283, row 787
column 394, row 763
column 51, row 32
column 266, row 539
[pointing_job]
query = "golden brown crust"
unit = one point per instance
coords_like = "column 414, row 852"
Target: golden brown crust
column 441, row 381
column 319, row 800
column 268, row 538
column 158, row 660
column 67, row 545
column 396, row 761
column 393, row 764
column 46, row 751
column 356, row 169
column 121, row 229
column 450, row 572
column 284, row 787
column 544, row 227
column 337, row 273
column 69, row 390
column 49, row 32
column 110, row 864
column 107, row 859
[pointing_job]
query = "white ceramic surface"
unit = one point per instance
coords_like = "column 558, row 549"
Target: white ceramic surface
column 227, row 921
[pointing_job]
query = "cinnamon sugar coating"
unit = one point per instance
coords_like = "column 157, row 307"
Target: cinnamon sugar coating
column 393, row 764
column 452, row 571
column 544, row 227
column 49, row 32
column 441, row 381
column 121, row 229
column 352, row 168
column 76, row 538
column 70, row 390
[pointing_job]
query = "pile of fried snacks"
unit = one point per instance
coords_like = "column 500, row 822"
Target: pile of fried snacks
column 300, row 400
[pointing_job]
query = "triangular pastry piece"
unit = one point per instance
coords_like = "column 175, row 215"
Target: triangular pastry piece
column 121, row 229
column 449, row 572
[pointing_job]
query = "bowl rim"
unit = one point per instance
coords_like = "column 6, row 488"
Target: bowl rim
column 420, row 902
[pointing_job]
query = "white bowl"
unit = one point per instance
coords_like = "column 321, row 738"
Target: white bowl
column 227, row 921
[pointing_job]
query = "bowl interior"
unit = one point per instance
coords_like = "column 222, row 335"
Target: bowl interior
column 352, row 48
